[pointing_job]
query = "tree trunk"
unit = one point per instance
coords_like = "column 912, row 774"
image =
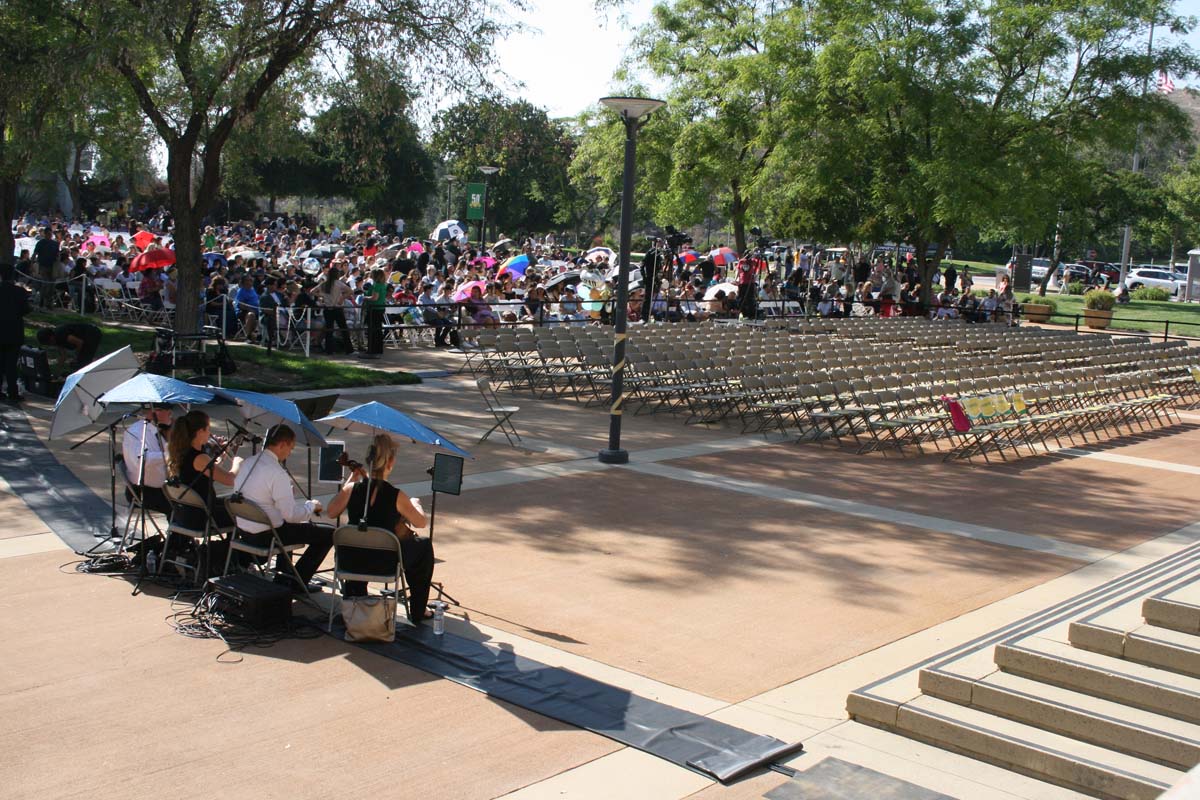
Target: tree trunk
column 737, row 216
column 8, row 210
column 189, row 259
column 73, row 180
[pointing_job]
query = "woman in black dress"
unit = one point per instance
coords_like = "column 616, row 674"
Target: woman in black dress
column 188, row 461
column 391, row 509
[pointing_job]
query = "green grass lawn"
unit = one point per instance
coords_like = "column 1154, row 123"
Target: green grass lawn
column 258, row 370
column 1150, row 316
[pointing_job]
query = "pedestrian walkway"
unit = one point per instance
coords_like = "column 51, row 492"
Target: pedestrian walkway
column 758, row 583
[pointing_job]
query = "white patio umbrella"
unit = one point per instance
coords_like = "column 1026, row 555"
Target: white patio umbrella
column 76, row 407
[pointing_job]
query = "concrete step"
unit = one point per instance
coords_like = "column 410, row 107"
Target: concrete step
column 1090, row 719
column 1177, row 608
column 1033, row 751
column 1146, row 644
column 1104, row 676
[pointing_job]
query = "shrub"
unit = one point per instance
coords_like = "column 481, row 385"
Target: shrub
column 1150, row 293
column 1075, row 287
column 1041, row 301
column 1099, row 300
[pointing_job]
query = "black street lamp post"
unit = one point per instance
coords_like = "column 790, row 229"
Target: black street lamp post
column 487, row 173
column 634, row 111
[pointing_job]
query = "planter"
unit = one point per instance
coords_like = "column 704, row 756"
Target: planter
column 1036, row 312
column 1095, row 318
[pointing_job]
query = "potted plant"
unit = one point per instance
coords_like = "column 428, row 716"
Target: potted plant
column 1097, row 308
column 1037, row 309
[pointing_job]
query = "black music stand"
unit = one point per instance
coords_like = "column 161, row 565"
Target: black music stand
column 447, row 474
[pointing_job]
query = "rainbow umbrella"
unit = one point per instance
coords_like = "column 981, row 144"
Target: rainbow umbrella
column 688, row 257
column 515, row 265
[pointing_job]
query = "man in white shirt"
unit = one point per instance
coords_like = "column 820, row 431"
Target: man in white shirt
column 263, row 480
column 145, row 462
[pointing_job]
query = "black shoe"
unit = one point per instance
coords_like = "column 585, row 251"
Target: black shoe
column 314, row 587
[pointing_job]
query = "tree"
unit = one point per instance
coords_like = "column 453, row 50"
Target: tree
column 923, row 119
column 533, row 152
column 371, row 147
column 724, row 90
column 42, row 53
column 200, row 67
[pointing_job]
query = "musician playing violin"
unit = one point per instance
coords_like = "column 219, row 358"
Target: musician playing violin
column 189, row 459
column 386, row 507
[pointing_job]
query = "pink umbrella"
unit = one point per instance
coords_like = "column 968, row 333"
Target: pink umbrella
column 416, row 247
column 487, row 261
column 99, row 240
column 464, row 292
column 723, row 256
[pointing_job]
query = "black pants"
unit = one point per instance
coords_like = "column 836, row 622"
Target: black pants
column 9, row 354
column 337, row 316
column 418, row 570
column 153, row 499
column 318, row 538
column 441, row 329
column 374, row 330
column 87, row 350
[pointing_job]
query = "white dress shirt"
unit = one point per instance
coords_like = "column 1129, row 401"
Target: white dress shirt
column 263, row 479
column 131, row 447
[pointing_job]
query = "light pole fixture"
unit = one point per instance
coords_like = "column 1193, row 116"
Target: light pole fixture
column 449, row 183
column 634, row 111
column 487, row 173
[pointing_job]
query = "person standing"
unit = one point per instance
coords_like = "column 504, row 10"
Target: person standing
column 374, row 304
column 14, row 305
column 46, row 253
column 334, row 292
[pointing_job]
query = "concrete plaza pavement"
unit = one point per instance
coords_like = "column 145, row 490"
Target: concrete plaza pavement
column 755, row 582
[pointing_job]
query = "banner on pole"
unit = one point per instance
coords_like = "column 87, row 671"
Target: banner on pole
column 475, row 200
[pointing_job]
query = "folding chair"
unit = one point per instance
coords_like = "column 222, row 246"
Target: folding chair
column 502, row 413
column 133, row 493
column 183, row 498
column 245, row 542
column 364, row 537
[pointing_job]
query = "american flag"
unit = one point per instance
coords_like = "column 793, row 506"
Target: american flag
column 1165, row 84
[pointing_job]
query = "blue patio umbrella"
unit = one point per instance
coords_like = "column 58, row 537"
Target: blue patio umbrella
column 215, row 259
column 77, row 405
column 146, row 389
column 266, row 410
column 375, row 418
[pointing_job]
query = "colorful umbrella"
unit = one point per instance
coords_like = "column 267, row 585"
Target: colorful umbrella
column 360, row 226
column 723, row 256
column 464, row 292
column 143, row 238
column 158, row 258
column 514, row 266
column 688, row 257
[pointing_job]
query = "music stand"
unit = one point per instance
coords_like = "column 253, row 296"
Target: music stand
column 447, row 474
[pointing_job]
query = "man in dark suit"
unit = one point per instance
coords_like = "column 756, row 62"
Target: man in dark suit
column 14, row 305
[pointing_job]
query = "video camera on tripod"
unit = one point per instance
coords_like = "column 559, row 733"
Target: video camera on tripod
column 675, row 239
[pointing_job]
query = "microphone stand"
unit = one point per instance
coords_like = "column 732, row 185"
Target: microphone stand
column 112, row 473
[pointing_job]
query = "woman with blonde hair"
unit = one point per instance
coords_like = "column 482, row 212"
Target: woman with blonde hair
column 190, row 463
column 387, row 507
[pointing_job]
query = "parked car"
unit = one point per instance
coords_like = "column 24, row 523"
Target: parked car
column 1074, row 272
column 1158, row 278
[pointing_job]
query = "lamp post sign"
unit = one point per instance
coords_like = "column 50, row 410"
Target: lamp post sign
column 476, row 193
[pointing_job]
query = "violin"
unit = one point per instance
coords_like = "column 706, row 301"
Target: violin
column 349, row 463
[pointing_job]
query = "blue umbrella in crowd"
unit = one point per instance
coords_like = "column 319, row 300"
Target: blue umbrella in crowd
column 450, row 229
column 375, row 418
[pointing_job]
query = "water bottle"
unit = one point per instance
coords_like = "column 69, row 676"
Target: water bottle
column 152, row 562
column 439, row 618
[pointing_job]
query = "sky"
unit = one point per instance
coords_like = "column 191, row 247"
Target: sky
column 567, row 59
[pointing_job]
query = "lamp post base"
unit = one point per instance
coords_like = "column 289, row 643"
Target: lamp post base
column 613, row 456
